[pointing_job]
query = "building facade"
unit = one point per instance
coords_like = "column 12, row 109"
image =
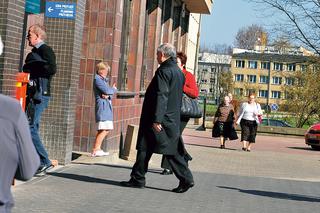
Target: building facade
column 123, row 33
column 265, row 73
column 210, row 67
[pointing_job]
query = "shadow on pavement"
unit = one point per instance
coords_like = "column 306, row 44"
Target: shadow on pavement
column 84, row 178
column 277, row 195
column 156, row 171
column 96, row 180
column 303, row 148
column 150, row 187
column 107, row 165
column 214, row 146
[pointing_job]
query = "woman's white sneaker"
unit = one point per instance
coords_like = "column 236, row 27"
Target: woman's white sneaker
column 99, row 153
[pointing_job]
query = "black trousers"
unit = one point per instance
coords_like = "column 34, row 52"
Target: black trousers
column 177, row 163
column 181, row 149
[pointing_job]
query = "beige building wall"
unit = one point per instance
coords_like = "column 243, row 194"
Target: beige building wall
column 192, row 44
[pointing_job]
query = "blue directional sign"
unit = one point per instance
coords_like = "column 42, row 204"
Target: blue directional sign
column 60, row 10
column 32, row 6
column 274, row 107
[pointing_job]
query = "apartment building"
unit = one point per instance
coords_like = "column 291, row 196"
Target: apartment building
column 210, row 66
column 266, row 73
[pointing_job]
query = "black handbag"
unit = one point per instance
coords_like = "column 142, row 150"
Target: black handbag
column 190, row 107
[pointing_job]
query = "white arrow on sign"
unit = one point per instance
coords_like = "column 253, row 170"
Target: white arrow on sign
column 50, row 9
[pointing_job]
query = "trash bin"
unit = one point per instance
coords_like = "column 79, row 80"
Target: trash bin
column 22, row 80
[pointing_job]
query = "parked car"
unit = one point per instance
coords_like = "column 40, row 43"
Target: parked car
column 274, row 122
column 312, row 136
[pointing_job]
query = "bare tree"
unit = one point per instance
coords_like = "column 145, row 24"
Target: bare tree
column 248, row 37
column 300, row 20
column 216, row 49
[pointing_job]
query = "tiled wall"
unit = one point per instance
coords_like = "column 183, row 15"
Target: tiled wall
column 11, row 25
column 57, row 125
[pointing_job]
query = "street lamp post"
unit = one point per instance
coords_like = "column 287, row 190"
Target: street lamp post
column 268, row 91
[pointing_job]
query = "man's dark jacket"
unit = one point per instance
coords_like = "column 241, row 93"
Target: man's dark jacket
column 162, row 105
column 41, row 70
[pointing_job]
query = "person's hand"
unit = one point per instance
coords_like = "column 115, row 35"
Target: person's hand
column 114, row 85
column 104, row 96
column 157, row 127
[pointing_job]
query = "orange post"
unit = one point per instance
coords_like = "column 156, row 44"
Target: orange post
column 21, row 88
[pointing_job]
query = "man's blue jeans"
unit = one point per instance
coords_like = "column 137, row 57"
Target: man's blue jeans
column 34, row 128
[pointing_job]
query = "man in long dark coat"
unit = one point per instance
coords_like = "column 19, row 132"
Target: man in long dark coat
column 160, row 122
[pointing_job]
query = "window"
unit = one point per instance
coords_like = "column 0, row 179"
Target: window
column 276, row 94
column 263, row 93
column 204, row 80
column 238, row 91
column 240, row 63
column 252, row 64
column 265, row 65
column 203, row 90
column 263, row 79
column 213, row 69
column 239, row 77
column 210, row 90
column 250, row 91
column 211, row 80
column 278, row 66
column 303, row 67
column 252, row 78
column 276, row 80
column 288, row 95
column 289, row 81
column 291, row 67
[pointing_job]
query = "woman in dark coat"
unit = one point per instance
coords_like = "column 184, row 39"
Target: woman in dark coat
column 223, row 122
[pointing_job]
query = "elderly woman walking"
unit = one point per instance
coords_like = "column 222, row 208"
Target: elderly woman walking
column 104, row 115
column 248, row 119
column 223, row 122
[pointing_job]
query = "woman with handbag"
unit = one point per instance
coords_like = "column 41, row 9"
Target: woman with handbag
column 249, row 118
column 190, row 88
column 223, row 122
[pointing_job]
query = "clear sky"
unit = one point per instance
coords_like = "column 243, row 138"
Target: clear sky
column 227, row 17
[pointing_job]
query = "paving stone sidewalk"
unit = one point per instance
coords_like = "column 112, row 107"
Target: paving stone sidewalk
column 272, row 179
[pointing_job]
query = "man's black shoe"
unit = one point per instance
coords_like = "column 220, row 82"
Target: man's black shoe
column 132, row 183
column 166, row 172
column 44, row 169
column 183, row 187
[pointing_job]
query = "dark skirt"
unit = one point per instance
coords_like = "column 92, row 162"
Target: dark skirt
column 225, row 129
column 248, row 130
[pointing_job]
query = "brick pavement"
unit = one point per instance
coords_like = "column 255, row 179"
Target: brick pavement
column 271, row 178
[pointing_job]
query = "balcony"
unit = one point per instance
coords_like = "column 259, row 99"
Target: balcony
column 199, row 6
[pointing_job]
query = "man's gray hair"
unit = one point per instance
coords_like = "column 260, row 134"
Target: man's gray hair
column 168, row 50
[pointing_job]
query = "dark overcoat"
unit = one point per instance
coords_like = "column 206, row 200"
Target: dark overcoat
column 162, row 104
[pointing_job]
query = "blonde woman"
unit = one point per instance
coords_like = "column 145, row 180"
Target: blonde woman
column 104, row 114
column 249, row 120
